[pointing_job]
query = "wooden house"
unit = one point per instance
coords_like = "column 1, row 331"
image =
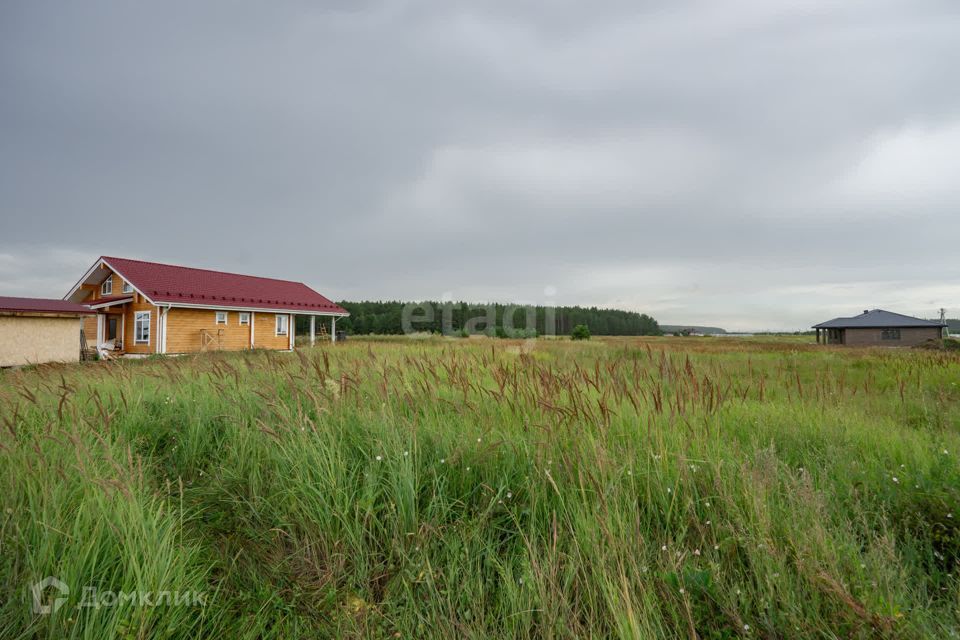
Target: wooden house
column 144, row 308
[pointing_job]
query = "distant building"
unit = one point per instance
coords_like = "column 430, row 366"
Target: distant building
column 878, row 328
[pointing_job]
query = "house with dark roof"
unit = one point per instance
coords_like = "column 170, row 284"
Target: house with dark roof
column 878, row 328
column 37, row 330
column 149, row 307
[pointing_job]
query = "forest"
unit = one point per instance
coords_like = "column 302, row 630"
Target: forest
column 461, row 318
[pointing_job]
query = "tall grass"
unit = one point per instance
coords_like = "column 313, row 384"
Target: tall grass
column 635, row 488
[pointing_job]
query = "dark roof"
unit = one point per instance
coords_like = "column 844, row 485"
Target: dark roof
column 40, row 305
column 165, row 283
column 877, row 319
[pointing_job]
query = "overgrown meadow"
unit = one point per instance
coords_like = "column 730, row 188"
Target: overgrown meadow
column 632, row 488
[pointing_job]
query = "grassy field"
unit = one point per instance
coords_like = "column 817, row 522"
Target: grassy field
column 634, row 488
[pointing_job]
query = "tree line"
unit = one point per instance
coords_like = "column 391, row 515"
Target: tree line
column 368, row 317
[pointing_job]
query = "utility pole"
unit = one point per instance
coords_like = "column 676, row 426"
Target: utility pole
column 944, row 331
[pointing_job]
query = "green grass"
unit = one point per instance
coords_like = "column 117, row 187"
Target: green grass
column 634, row 488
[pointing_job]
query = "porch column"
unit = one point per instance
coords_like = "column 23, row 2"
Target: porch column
column 313, row 330
column 333, row 328
column 818, row 336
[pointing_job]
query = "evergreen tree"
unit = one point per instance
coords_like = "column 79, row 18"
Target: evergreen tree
column 386, row 317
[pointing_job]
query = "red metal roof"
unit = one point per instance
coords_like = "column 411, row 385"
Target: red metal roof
column 165, row 283
column 40, row 305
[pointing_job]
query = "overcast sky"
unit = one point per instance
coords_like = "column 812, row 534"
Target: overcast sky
column 753, row 164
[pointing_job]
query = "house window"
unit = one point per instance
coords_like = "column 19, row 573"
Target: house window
column 890, row 334
column 141, row 327
column 282, row 325
column 107, row 287
column 221, row 317
column 244, row 318
column 127, row 287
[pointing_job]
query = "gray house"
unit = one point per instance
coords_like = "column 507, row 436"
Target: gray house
column 879, row 328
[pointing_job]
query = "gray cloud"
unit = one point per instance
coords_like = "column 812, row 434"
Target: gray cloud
column 755, row 164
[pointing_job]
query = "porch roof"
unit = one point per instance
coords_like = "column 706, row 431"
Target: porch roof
column 109, row 302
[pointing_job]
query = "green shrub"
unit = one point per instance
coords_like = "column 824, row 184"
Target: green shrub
column 580, row 332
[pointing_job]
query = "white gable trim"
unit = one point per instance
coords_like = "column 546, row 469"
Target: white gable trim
column 128, row 281
column 91, row 270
